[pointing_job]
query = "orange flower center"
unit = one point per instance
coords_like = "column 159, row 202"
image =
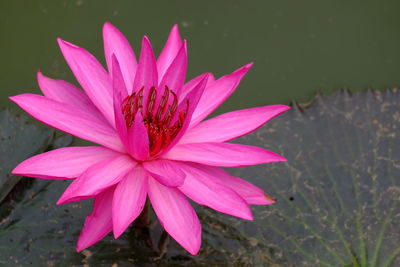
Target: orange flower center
column 162, row 121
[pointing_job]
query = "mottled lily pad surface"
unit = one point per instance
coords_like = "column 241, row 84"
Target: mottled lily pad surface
column 18, row 141
column 338, row 201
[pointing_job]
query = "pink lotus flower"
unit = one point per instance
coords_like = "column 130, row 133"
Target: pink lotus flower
column 153, row 140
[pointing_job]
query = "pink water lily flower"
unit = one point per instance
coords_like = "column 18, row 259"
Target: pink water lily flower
column 152, row 139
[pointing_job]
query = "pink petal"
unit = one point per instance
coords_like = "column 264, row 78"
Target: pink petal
column 222, row 154
column 92, row 77
column 217, row 93
column 232, row 125
column 138, row 139
column 97, row 178
column 192, row 99
column 129, row 199
column 118, row 83
column 176, row 215
column 99, row 223
column 188, row 87
column 68, row 162
column 67, row 93
column 203, row 187
column 249, row 192
column 119, row 94
column 176, row 73
column 116, row 44
column 146, row 74
column 169, row 51
column 165, row 171
column 69, row 119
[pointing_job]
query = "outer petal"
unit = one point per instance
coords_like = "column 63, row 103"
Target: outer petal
column 68, row 162
column 166, row 172
column 129, row 199
column 97, row 178
column 138, row 139
column 170, row 51
column 249, row 192
column 222, row 154
column 206, row 189
column 217, row 93
column 232, row 125
column 92, row 77
column 176, row 215
column 176, row 73
column 67, row 93
column 190, row 85
column 99, row 223
column 69, row 119
column 116, row 43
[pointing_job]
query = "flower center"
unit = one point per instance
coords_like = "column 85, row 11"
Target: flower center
column 163, row 120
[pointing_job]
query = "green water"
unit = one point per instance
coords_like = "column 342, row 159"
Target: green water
column 299, row 47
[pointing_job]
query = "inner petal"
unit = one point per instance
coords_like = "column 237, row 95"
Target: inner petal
column 161, row 116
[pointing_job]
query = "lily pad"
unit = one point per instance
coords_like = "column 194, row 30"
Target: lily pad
column 338, row 201
column 18, row 141
column 339, row 191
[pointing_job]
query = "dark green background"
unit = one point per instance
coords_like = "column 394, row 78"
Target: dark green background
column 299, row 47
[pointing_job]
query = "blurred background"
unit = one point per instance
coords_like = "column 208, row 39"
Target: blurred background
column 298, row 47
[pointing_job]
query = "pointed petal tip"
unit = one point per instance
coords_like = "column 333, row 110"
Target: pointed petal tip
column 64, row 199
column 184, row 47
column 193, row 251
column 107, row 25
column 15, row 98
column 40, row 77
column 175, row 27
column 280, row 158
column 249, row 217
column 81, row 246
column 270, row 200
column 61, row 42
column 249, row 65
column 245, row 214
column 174, row 32
column 146, row 40
column 242, row 70
column 117, row 232
column 115, row 64
column 283, row 107
column 65, row 44
column 109, row 28
column 18, row 170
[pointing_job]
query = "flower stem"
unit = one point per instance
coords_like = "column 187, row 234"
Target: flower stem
column 144, row 220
